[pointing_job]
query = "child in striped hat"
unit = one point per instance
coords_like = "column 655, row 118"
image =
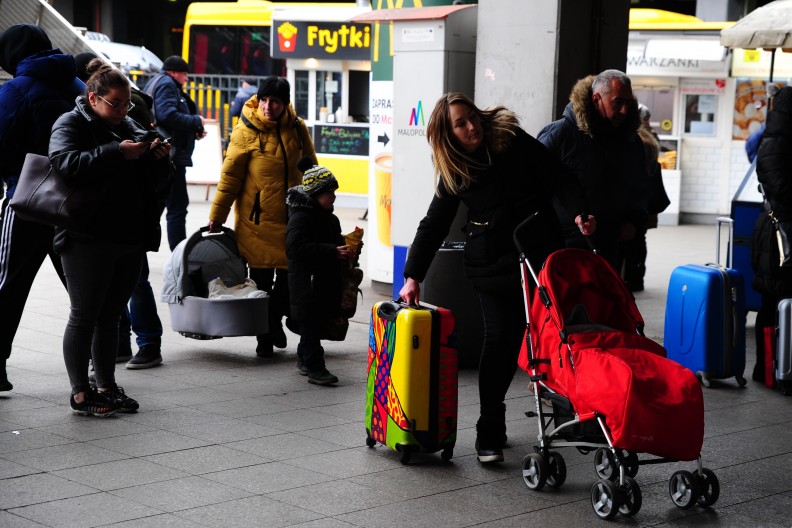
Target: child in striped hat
column 317, row 252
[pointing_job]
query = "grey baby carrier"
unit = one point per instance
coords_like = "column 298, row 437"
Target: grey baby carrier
column 194, row 263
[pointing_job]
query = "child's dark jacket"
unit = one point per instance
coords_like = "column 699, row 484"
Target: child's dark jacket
column 312, row 236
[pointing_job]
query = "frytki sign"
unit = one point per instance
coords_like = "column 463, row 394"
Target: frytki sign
column 321, row 40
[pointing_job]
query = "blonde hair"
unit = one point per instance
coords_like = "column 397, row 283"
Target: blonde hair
column 453, row 165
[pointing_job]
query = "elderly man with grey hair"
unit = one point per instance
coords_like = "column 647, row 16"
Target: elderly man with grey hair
column 597, row 138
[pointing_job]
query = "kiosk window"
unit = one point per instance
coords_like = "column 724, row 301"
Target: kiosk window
column 700, row 112
column 302, row 93
column 328, row 94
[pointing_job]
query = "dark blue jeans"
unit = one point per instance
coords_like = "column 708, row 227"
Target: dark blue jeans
column 176, row 207
column 141, row 317
column 100, row 278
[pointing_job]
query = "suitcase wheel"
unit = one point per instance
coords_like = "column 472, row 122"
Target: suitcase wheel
column 406, row 453
column 786, row 387
column 447, row 453
column 741, row 381
column 370, row 441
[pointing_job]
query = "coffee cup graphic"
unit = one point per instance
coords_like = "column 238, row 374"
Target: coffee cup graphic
column 287, row 37
column 383, row 176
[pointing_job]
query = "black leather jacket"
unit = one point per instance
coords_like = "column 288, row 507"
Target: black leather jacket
column 85, row 151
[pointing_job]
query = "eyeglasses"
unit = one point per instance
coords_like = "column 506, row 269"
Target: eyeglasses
column 129, row 106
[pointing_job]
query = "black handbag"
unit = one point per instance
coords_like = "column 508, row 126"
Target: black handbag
column 42, row 196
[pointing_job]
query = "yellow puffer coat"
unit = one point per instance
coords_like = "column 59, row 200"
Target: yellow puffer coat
column 261, row 155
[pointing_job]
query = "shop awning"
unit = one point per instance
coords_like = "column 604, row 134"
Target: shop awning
column 769, row 26
column 689, row 48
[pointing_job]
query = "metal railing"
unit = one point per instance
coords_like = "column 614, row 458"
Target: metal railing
column 212, row 94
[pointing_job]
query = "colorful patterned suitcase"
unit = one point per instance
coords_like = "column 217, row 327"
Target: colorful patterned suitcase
column 411, row 395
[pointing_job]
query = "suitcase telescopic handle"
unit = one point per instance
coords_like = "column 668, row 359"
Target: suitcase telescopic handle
column 730, row 248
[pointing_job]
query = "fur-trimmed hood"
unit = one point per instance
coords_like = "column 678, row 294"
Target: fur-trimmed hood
column 581, row 110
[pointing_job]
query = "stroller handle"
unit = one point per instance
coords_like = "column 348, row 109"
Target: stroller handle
column 518, row 231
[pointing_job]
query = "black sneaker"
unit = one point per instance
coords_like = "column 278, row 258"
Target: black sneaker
column 147, row 357
column 321, row 377
column 93, row 404
column 124, row 403
column 302, row 370
column 489, row 454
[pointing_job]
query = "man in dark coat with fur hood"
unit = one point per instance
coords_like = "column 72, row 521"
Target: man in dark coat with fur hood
column 597, row 138
column 44, row 87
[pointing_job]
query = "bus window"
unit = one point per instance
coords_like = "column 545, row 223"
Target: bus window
column 233, row 50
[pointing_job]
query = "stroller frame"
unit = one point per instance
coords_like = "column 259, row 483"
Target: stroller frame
column 616, row 490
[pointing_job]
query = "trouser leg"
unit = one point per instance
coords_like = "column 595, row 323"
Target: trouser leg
column 176, row 206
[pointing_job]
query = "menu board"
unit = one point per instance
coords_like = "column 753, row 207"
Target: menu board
column 341, row 139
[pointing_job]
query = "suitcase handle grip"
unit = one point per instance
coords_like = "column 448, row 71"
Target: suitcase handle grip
column 387, row 310
column 730, row 248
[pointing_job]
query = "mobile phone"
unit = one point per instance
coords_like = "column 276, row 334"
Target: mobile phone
column 150, row 136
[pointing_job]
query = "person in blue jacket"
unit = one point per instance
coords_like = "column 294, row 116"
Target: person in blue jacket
column 43, row 87
column 176, row 116
column 753, row 141
column 248, row 89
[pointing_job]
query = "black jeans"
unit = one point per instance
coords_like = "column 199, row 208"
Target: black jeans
column 141, row 317
column 504, row 327
column 23, row 247
column 176, row 205
column 100, row 278
column 310, row 350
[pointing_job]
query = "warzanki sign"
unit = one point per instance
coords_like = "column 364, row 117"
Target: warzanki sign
column 321, row 40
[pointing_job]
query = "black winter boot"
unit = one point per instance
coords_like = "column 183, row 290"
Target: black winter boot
column 490, row 439
column 5, row 385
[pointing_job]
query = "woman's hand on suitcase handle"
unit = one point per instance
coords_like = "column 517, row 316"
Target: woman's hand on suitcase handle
column 411, row 291
column 215, row 227
column 586, row 223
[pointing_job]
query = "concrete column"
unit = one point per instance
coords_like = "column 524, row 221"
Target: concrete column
column 529, row 55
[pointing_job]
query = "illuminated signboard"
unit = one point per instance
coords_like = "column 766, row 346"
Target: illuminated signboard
column 321, row 40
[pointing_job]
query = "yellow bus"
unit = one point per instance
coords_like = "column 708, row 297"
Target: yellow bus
column 224, row 38
column 225, row 42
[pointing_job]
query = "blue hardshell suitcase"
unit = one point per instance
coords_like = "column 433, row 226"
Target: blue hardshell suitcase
column 705, row 320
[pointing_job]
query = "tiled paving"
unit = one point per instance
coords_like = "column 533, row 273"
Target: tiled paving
column 226, row 439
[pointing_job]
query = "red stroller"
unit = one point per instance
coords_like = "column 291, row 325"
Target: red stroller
column 611, row 389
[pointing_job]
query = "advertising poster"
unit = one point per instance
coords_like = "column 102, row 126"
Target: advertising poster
column 380, row 248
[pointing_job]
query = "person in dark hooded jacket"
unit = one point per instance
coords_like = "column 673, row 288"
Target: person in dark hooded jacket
column 97, row 145
column 44, row 87
column 597, row 138
column 774, row 171
column 316, row 250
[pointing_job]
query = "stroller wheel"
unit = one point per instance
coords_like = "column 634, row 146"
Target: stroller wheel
column 632, row 498
column 605, row 464
column 630, row 461
column 684, row 490
column 605, row 499
column 535, row 470
column 709, row 487
column 556, row 470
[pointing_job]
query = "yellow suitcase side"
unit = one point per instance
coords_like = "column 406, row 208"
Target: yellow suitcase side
column 411, row 366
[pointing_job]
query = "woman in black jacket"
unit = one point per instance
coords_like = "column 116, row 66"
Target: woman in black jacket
column 503, row 175
column 774, row 171
column 97, row 145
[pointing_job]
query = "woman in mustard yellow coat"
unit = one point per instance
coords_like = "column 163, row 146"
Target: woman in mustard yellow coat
column 260, row 165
